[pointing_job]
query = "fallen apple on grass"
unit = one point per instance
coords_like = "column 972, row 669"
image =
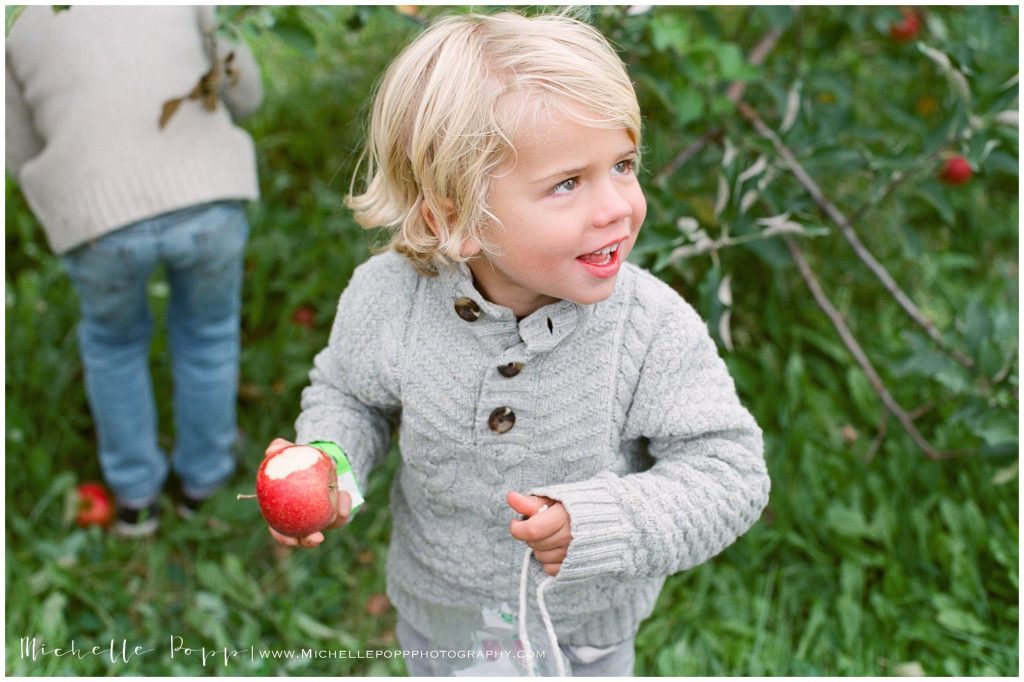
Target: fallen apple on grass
column 92, row 505
column 297, row 490
column 304, row 316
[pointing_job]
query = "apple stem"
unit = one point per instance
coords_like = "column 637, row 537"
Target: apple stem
column 245, row 497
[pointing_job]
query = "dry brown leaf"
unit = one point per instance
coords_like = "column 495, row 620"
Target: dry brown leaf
column 377, row 604
column 170, row 106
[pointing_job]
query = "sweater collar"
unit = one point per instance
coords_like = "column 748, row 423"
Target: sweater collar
column 496, row 325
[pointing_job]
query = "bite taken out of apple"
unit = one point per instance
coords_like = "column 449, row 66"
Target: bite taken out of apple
column 297, row 490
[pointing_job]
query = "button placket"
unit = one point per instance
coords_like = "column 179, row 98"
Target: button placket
column 504, row 408
column 510, row 369
column 502, row 420
column 467, row 309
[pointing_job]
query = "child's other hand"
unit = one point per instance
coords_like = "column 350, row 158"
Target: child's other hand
column 547, row 533
column 341, row 516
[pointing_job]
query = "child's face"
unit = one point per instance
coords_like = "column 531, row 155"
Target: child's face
column 568, row 196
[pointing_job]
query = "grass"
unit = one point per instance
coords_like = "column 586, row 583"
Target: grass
column 867, row 562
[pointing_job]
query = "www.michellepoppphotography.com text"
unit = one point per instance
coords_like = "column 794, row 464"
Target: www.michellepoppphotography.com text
column 121, row 651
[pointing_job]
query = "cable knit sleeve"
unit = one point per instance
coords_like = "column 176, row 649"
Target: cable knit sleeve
column 354, row 395
column 708, row 483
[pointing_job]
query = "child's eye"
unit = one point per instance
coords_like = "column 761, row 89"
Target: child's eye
column 624, row 167
column 567, row 185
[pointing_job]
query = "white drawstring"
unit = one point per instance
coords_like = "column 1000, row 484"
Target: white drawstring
column 524, row 577
column 552, row 637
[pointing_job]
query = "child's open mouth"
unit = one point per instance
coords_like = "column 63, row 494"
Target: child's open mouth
column 604, row 262
column 601, row 256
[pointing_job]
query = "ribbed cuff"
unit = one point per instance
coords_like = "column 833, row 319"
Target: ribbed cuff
column 599, row 545
column 350, row 441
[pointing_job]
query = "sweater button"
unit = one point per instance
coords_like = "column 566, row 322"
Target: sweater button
column 501, row 420
column 510, row 370
column 467, row 309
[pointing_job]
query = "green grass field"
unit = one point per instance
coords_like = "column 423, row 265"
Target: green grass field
column 871, row 559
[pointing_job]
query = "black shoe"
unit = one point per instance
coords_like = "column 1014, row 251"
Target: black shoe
column 187, row 506
column 137, row 523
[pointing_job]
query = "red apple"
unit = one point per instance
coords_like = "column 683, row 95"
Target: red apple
column 297, row 490
column 956, row 171
column 304, row 316
column 93, row 505
column 907, row 28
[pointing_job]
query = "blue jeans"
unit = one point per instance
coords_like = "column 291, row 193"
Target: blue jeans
column 202, row 250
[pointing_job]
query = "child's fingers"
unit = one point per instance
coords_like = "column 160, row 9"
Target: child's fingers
column 552, row 569
column 538, row 535
column 559, row 539
column 285, row 540
column 344, row 510
column 543, row 526
column 550, row 556
column 277, row 445
column 527, row 505
column 311, row 541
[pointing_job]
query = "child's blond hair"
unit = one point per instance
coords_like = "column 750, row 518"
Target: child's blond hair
column 448, row 108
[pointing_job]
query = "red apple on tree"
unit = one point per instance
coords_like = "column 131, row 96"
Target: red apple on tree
column 956, row 171
column 296, row 489
column 907, row 28
column 93, row 505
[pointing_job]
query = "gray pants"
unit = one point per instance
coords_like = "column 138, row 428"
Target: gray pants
column 612, row 661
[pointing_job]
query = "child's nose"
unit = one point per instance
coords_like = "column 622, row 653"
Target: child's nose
column 612, row 207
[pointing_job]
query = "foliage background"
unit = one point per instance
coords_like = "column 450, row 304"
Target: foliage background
column 872, row 558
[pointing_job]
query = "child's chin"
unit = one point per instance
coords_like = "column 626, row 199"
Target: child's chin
column 597, row 295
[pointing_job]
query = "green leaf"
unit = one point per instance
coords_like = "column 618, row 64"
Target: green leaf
column 935, row 365
column 863, row 395
column 1001, row 162
column 315, row 628
column 230, row 581
column 51, row 617
column 849, row 522
column 977, row 323
column 669, row 31
column 732, row 65
column 12, row 14
column 961, row 621
column 850, row 617
column 688, row 105
column 933, row 195
column 291, row 29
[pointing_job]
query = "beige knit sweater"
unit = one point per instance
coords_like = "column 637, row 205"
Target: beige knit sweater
column 85, row 89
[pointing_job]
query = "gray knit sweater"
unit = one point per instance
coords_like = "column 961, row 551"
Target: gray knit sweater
column 623, row 411
column 84, row 92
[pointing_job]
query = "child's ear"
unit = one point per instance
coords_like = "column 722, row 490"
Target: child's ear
column 470, row 247
column 428, row 216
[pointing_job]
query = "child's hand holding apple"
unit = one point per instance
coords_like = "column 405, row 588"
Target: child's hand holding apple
column 297, row 490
